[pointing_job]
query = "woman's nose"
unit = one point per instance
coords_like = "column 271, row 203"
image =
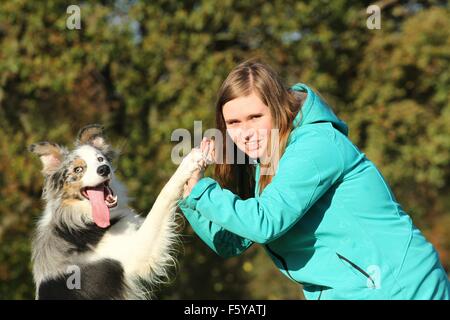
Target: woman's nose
column 247, row 132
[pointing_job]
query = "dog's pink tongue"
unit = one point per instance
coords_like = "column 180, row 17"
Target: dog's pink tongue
column 100, row 212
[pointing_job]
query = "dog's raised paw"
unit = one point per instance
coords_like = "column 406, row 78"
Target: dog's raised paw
column 194, row 161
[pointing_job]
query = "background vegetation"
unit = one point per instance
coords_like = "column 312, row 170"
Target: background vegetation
column 145, row 68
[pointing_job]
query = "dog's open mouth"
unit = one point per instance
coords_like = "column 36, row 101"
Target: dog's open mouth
column 102, row 198
column 108, row 194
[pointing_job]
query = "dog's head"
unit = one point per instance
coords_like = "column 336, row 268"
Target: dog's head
column 82, row 176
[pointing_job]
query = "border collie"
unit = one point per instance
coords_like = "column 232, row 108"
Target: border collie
column 88, row 243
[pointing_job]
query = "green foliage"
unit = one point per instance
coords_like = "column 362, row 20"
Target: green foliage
column 145, row 68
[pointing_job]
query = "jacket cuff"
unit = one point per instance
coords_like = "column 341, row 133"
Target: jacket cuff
column 191, row 200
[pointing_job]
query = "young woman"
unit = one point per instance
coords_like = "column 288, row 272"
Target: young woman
column 325, row 215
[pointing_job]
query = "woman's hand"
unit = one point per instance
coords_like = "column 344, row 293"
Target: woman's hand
column 207, row 148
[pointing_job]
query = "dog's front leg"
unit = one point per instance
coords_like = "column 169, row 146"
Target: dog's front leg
column 154, row 239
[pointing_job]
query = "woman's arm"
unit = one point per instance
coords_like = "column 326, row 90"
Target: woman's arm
column 223, row 242
column 307, row 169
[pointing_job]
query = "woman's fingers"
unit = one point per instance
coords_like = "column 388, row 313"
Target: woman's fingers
column 202, row 144
column 209, row 152
column 207, row 146
column 213, row 151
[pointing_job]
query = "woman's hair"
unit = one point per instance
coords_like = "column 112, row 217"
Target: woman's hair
column 254, row 77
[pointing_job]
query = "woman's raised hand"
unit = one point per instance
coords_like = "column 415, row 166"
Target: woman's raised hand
column 207, row 148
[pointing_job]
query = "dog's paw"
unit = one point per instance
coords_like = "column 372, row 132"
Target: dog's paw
column 194, row 161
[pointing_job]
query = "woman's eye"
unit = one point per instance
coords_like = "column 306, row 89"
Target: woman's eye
column 78, row 169
column 100, row 159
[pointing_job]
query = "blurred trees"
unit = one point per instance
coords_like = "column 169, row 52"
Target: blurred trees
column 145, row 68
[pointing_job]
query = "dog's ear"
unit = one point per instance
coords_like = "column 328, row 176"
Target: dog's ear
column 93, row 135
column 51, row 155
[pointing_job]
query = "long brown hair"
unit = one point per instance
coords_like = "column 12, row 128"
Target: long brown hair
column 284, row 104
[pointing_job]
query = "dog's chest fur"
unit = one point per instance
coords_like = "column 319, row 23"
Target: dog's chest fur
column 96, row 254
column 84, row 239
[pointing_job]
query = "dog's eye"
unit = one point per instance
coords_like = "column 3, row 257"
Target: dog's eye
column 100, row 159
column 78, row 169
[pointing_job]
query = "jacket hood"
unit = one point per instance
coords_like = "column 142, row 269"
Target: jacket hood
column 315, row 109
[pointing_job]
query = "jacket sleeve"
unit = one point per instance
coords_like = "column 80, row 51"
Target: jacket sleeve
column 221, row 241
column 307, row 169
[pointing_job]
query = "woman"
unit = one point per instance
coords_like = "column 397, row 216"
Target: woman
column 321, row 209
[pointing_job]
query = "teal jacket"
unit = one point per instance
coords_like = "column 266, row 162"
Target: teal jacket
column 328, row 219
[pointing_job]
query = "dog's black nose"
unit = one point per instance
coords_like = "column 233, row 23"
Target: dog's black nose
column 103, row 170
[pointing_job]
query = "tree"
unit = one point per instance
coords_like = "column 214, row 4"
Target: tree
column 145, row 68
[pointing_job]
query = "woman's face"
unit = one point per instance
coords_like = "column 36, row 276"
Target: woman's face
column 249, row 123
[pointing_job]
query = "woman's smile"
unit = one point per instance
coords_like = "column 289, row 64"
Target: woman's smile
column 252, row 145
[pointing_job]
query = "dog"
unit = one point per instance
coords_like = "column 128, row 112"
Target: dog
column 88, row 243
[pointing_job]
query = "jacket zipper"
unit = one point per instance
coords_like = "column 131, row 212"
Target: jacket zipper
column 283, row 262
column 320, row 295
column 357, row 268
